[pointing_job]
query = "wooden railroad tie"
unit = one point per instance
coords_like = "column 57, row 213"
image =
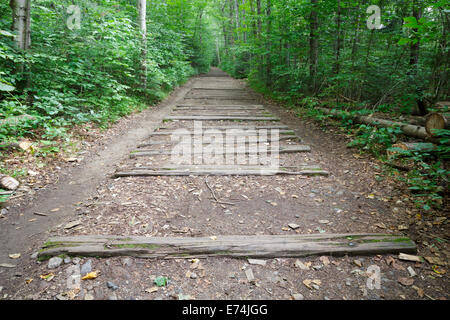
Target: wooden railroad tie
column 262, row 246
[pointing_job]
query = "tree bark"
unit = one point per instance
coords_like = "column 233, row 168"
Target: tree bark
column 275, row 246
column 21, row 22
column 142, row 8
column 269, row 44
column 313, row 44
column 337, row 67
column 414, row 62
column 407, row 129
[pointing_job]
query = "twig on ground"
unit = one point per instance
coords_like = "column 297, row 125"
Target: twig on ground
column 214, row 195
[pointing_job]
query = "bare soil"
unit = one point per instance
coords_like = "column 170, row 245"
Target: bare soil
column 358, row 197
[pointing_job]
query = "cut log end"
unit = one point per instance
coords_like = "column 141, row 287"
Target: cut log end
column 436, row 121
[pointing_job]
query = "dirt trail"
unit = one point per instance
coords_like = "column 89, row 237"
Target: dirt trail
column 350, row 199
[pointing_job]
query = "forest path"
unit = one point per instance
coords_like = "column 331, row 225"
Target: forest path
column 208, row 205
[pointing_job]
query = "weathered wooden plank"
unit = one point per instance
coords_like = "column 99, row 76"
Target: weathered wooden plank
column 190, row 132
column 220, row 113
column 169, row 143
column 240, row 127
column 221, row 118
column 266, row 246
column 221, row 109
column 286, row 149
column 181, row 173
column 206, row 167
column 219, row 106
column 221, row 98
column 218, row 89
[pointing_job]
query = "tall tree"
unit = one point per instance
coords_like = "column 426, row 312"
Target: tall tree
column 313, row 43
column 21, row 14
column 142, row 8
column 414, row 59
column 337, row 67
column 269, row 44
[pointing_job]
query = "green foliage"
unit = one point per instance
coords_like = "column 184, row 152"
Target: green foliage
column 375, row 140
column 161, row 281
column 271, row 47
column 94, row 74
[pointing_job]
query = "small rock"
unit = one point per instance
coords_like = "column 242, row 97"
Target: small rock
column 86, row 268
column 193, row 275
column 112, row 286
column 9, row 183
column 127, row 262
column 348, row 282
column 33, row 173
column 54, row 262
column 3, row 212
column 301, row 265
column 411, row 271
column 293, row 226
column 112, row 297
column 318, row 267
column 298, row 296
column 152, row 290
column 324, row 221
column 297, row 216
column 34, row 255
column 358, row 263
column 67, row 260
column 72, row 224
column 15, row 255
column 406, row 281
column 76, row 260
column 325, row 260
column 249, row 275
column 257, row 262
column 88, row 296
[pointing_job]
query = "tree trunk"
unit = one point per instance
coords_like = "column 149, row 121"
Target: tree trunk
column 236, row 14
column 413, row 147
column 142, row 8
column 356, row 36
column 414, row 62
column 313, row 44
column 407, row 129
column 269, row 44
column 437, row 121
column 337, row 67
column 21, row 24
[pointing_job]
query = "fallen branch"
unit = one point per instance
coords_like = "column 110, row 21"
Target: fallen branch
column 214, row 195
